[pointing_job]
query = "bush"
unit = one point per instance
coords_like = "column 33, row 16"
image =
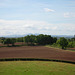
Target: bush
column 70, row 45
column 62, row 42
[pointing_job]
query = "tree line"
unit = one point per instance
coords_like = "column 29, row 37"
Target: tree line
column 39, row 40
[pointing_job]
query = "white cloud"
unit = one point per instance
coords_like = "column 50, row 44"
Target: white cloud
column 66, row 15
column 9, row 27
column 69, row 15
column 48, row 10
column 14, row 27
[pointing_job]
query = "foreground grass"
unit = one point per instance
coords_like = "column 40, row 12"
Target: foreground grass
column 36, row 68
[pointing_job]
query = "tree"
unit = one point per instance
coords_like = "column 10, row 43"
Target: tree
column 44, row 39
column 2, row 39
column 63, row 42
column 27, row 39
column 12, row 41
column 7, row 41
column 30, row 39
column 20, row 39
column 39, row 39
column 70, row 44
column 54, row 40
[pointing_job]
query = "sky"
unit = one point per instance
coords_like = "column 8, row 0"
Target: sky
column 52, row 17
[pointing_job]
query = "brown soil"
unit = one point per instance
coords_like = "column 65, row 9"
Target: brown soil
column 36, row 52
column 17, row 43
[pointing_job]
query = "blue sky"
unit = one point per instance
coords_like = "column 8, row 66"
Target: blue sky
column 53, row 17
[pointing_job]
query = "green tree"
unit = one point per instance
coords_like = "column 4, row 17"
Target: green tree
column 54, row 40
column 7, row 41
column 2, row 39
column 27, row 39
column 44, row 39
column 20, row 39
column 63, row 42
column 12, row 41
column 30, row 39
column 70, row 44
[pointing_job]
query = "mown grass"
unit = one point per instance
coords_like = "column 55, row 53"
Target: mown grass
column 36, row 68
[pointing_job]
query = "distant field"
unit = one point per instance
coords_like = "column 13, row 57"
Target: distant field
column 36, row 68
column 16, row 44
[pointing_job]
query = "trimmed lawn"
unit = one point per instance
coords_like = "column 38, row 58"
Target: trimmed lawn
column 36, row 68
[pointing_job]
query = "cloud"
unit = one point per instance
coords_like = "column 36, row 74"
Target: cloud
column 9, row 27
column 48, row 10
column 19, row 27
column 69, row 15
column 66, row 15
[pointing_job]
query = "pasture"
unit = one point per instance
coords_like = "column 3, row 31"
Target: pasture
column 36, row 68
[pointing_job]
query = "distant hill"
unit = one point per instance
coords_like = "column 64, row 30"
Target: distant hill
column 58, row 36
column 10, row 36
column 66, row 36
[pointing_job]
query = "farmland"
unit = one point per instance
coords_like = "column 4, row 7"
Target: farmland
column 36, row 67
column 39, row 52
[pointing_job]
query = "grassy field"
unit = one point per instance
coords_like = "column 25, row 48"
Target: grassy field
column 58, row 47
column 71, row 50
column 36, row 68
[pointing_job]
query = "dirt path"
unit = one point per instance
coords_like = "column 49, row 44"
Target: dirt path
column 36, row 52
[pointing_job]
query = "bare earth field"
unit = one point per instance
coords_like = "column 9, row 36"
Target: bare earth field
column 36, row 52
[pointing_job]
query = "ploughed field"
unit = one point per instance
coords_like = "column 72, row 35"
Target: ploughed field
column 40, row 52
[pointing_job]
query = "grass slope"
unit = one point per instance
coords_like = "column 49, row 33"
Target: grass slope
column 36, row 68
column 58, row 47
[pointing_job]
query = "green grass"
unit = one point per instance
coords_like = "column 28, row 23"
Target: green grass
column 36, row 68
column 53, row 46
column 71, row 50
column 58, row 47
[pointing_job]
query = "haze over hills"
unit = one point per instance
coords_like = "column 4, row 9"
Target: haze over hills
column 58, row 36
